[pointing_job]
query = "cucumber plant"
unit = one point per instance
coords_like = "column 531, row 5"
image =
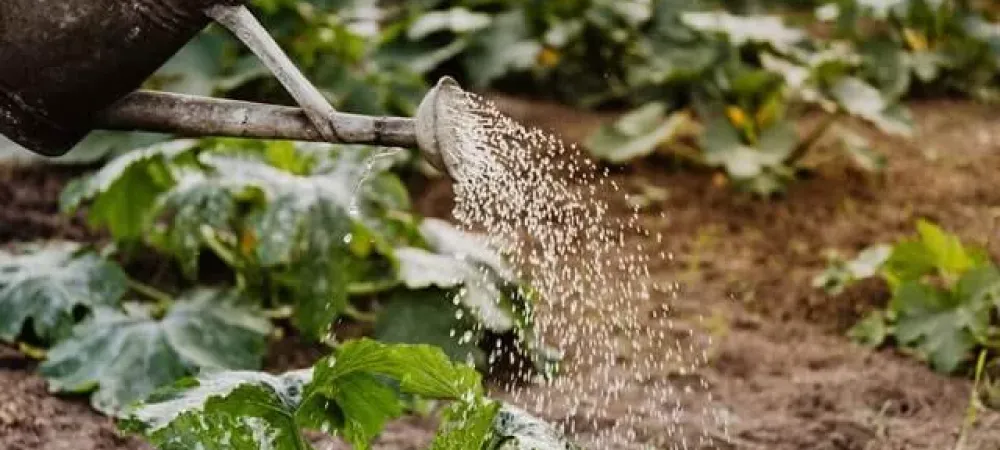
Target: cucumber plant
column 944, row 297
column 352, row 394
column 312, row 232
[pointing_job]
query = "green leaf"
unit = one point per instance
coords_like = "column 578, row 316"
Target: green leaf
column 467, row 425
column 515, row 429
column 349, row 393
column 304, row 228
column 195, row 202
column 742, row 30
column 946, row 249
column 428, row 317
column 124, row 192
column 456, row 20
column 934, row 251
column 489, row 425
column 942, row 327
column 444, row 238
column 863, row 100
column 46, row 283
column 637, row 134
column 346, row 392
column 126, row 356
column 839, row 274
column 722, row 147
column 421, row 269
column 872, row 331
column 224, row 410
column 505, row 47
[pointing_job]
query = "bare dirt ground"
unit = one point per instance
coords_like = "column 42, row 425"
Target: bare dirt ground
column 779, row 365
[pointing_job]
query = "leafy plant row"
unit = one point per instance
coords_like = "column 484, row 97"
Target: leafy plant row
column 716, row 88
column 945, row 296
column 257, row 232
column 351, row 393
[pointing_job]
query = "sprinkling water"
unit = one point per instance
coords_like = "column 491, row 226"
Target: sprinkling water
column 629, row 371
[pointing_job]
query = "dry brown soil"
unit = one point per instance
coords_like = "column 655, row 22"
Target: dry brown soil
column 779, row 364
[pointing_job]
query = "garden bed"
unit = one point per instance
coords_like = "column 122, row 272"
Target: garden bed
column 780, row 367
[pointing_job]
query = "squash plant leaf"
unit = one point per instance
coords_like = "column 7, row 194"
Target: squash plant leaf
column 742, row 30
column 637, row 134
column 861, row 99
column 444, row 238
column 351, row 393
column 124, row 191
column 126, row 355
column 467, row 425
column 44, row 284
column 429, row 316
column 194, row 202
column 479, row 291
column 231, row 409
column 515, row 429
column 348, row 391
column 303, row 228
column 933, row 251
column 944, row 326
column 505, row 46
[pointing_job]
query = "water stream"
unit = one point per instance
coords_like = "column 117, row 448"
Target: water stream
column 555, row 215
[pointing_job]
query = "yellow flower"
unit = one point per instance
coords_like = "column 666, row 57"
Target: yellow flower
column 915, row 39
column 736, row 116
column 248, row 241
column 548, row 57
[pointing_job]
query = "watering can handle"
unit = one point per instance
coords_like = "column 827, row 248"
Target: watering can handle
column 189, row 115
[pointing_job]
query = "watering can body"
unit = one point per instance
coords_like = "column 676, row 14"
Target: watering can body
column 63, row 61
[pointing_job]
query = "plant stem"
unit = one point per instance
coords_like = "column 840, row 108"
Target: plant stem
column 163, row 299
column 360, row 316
column 220, row 249
column 800, row 150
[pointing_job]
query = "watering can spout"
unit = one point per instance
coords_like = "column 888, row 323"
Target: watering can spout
column 68, row 67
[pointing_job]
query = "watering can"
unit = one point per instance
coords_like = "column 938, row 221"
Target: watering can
column 68, row 67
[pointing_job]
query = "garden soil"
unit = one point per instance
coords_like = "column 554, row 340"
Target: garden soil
column 739, row 271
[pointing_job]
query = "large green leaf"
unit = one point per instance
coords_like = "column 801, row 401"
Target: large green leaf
column 225, row 410
column 934, row 250
column 125, row 356
column 346, row 393
column 723, row 147
column 305, row 228
column 351, row 393
column 943, row 326
column 46, row 283
column 742, row 30
column 467, row 425
column 124, row 192
column 446, row 239
column 429, row 316
column 195, row 202
column 505, row 46
column 865, row 101
column 636, row 134
column 515, row 429
column 456, row 20
column 420, row 269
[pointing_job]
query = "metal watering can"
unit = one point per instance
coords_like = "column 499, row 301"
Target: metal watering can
column 68, row 67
